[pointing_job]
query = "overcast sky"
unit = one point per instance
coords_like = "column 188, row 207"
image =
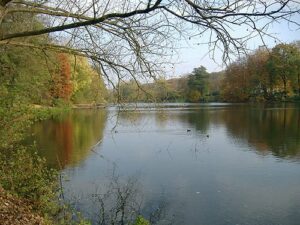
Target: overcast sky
column 193, row 55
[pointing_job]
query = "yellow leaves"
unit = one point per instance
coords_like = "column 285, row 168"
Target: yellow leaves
column 88, row 85
column 194, row 96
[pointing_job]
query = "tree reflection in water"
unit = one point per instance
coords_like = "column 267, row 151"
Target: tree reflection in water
column 119, row 200
column 69, row 139
column 156, row 143
column 266, row 128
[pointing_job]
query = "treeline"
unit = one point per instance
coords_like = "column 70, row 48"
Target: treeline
column 195, row 87
column 265, row 75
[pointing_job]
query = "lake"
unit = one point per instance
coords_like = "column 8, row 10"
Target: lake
column 210, row 164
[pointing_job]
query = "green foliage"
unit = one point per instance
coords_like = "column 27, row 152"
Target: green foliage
column 36, row 84
column 44, row 113
column 84, row 222
column 162, row 90
column 264, row 76
column 141, row 221
column 14, row 121
column 214, row 86
column 88, row 85
column 30, row 83
column 25, row 174
column 44, row 77
column 283, row 65
column 21, row 82
column 22, row 172
column 129, row 92
column 199, row 86
column 159, row 91
column 198, row 80
column 25, row 73
column 194, row 96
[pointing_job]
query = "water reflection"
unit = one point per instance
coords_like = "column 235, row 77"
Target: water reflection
column 68, row 140
column 120, row 200
column 212, row 174
column 265, row 128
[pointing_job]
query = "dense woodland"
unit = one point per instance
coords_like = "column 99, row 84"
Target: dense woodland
column 266, row 75
column 47, row 78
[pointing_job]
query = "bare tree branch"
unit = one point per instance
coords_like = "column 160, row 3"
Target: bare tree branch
column 136, row 39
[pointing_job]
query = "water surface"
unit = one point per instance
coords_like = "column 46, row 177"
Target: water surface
column 188, row 164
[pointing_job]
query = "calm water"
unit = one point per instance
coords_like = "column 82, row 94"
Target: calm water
column 187, row 164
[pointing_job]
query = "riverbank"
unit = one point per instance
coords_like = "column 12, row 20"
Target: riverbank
column 89, row 106
column 17, row 211
column 29, row 188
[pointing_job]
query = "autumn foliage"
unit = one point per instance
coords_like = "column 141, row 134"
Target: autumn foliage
column 265, row 75
column 62, row 85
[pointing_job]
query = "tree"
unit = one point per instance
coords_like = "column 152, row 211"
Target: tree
column 262, row 81
column 264, row 75
column 62, row 86
column 237, row 84
column 162, row 90
column 129, row 91
column 214, row 85
column 283, row 63
column 194, row 96
column 198, row 83
column 296, row 63
column 87, row 83
column 134, row 38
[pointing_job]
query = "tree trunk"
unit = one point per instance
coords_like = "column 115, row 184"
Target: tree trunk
column 298, row 84
column 284, row 86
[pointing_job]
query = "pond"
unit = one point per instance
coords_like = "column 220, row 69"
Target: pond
column 188, row 164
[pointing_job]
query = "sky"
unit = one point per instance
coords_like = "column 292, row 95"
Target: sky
column 192, row 55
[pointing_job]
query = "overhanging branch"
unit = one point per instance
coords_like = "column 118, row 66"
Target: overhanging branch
column 81, row 23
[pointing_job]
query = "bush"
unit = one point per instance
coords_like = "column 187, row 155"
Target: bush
column 141, row 221
column 25, row 175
